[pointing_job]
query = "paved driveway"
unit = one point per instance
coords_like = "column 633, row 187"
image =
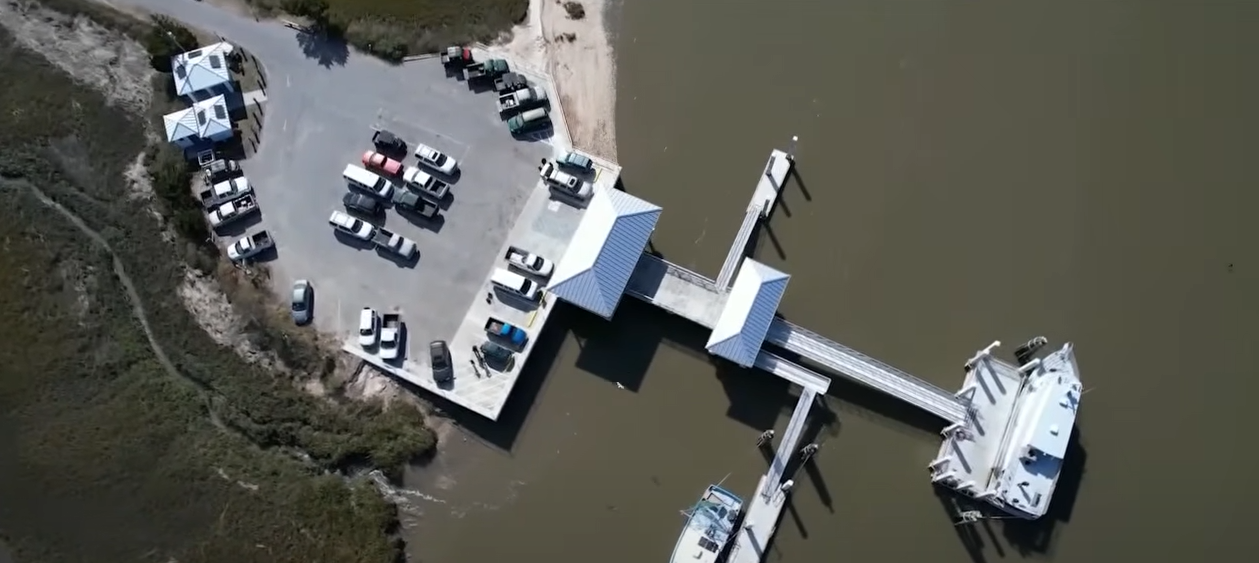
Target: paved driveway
column 320, row 110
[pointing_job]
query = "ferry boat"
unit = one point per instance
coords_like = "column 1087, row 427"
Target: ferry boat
column 709, row 527
column 1009, row 453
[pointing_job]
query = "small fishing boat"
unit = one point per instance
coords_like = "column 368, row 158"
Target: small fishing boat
column 709, row 527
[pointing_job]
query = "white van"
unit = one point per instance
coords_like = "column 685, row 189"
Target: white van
column 367, row 181
column 517, row 284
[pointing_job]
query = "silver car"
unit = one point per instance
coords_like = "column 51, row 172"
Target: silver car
column 300, row 302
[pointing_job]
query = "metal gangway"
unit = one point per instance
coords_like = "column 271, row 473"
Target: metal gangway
column 811, row 385
column 737, row 248
column 787, row 447
column 698, row 298
column 866, row 370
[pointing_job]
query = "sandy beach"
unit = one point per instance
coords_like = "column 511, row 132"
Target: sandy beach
column 578, row 55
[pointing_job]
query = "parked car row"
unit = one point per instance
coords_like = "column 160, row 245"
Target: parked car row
column 228, row 198
column 383, row 238
column 383, row 179
column 515, row 94
column 384, row 333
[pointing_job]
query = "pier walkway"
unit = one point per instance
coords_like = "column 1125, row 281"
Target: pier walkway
column 693, row 296
column 764, row 509
column 865, row 370
column 677, row 290
column 760, row 206
column 703, row 300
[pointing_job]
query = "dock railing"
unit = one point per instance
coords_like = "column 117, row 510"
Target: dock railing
column 689, row 276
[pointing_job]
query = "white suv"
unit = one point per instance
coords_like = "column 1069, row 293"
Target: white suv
column 352, row 226
column 436, row 159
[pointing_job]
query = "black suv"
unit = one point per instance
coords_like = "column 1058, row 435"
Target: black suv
column 363, row 203
column 388, row 143
column 439, row 360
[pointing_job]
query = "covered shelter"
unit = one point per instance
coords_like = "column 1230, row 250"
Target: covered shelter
column 207, row 120
column 750, row 309
column 604, row 252
column 203, row 72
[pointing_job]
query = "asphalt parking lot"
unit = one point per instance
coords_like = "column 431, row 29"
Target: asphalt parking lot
column 297, row 177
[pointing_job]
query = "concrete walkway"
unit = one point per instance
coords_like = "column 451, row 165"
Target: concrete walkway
column 254, row 97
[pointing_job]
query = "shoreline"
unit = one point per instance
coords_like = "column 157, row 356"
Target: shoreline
column 578, row 55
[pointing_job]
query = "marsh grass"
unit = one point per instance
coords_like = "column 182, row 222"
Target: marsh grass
column 394, row 29
column 107, row 457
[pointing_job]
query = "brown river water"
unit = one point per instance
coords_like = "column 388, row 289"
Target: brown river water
column 968, row 171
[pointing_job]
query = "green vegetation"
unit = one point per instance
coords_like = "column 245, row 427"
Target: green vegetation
column 394, row 29
column 165, row 39
column 110, row 453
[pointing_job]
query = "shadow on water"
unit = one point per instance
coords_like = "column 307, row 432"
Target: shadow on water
column 757, row 399
column 325, row 50
column 1026, row 537
column 622, row 350
column 765, row 231
column 824, row 425
column 502, row 433
column 863, row 402
column 796, row 180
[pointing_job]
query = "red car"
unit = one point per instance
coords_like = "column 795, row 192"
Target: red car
column 373, row 159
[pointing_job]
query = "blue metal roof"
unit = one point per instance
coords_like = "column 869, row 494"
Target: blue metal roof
column 605, row 249
column 753, row 302
column 201, row 69
column 206, row 119
column 180, row 124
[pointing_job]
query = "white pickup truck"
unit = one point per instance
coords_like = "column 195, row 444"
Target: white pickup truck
column 425, row 184
column 231, row 211
column 529, row 262
column 392, row 332
column 225, row 191
column 563, row 181
column 250, row 246
column 394, row 242
column 520, row 99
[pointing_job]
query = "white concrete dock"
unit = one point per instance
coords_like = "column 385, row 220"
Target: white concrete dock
column 764, row 509
column 759, row 207
column 971, row 450
column 761, row 516
column 677, row 290
column 546, row 227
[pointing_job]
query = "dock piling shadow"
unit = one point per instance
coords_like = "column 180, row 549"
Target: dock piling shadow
column 799, row 181
column 970, row 538
column 766, row 228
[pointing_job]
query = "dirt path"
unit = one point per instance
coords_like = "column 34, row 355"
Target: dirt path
column 207, row 393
